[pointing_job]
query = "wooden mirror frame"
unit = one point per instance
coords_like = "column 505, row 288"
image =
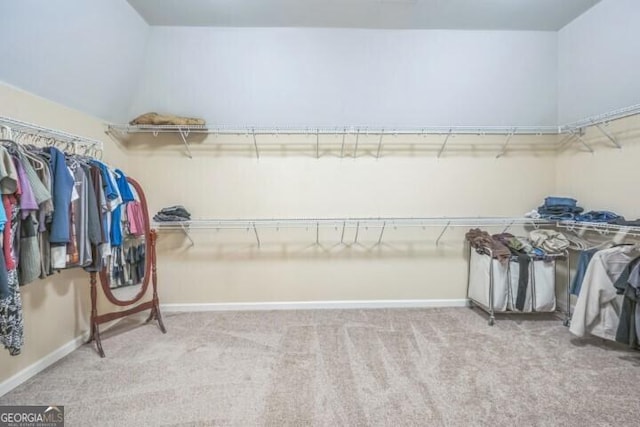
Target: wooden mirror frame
column 150, row 274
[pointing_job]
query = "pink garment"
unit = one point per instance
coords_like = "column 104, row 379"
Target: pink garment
column 136, row 220
column 8, row 200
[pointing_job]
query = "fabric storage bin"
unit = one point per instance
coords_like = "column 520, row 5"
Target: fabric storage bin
column 544, row 285
column 480, row 277
column 541, row 287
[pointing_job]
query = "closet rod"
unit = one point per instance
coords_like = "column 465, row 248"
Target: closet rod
column 377, row 222
column 31, row 129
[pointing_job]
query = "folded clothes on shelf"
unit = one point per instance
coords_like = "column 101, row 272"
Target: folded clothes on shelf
column 597, row 216
column 172, row 213
column 559, row 208
column 554, row 201
column 625, row 222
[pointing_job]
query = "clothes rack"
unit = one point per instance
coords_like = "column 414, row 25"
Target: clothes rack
column 18, row 129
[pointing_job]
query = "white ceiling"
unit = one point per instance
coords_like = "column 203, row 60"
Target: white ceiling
column 547, row 15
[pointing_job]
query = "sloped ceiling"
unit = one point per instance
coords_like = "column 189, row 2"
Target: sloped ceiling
column 87, row 55
column 544, row 15
column 90, row 55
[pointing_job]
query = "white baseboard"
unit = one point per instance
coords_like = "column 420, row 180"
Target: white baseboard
column 39, row 366
column 315, row 305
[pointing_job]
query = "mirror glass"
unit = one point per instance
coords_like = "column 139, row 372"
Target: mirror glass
column 125, row 278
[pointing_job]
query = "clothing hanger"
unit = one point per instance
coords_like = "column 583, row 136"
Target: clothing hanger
column 39, row 165
column 12, row 145
column 8, row 130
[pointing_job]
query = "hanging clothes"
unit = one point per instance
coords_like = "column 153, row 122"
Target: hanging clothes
column 62, row 191
column 596, row 308
column 583, row 261
column 11, row 320
column 628, row 285
column 59, row 211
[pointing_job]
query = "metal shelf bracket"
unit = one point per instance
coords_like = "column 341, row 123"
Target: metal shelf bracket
column 607, row 134
column 184, row 134
column 444, row 144
column 442, row 233
column 506, row 143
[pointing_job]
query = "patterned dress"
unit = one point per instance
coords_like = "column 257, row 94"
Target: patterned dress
column 11, row 321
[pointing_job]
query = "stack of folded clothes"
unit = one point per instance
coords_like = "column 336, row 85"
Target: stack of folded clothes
column 625, row 222
column 172, row 213
column 560, row 208
column 598, row 216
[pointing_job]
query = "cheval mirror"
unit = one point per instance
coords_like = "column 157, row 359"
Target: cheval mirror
column 132, row 265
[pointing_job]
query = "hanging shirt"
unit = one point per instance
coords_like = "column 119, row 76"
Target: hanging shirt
column 109, row 185
column 596, row 308
column 40, row 192
column 116, row 227
column 124, row 186
column 8, row 173
column 117, row 201
column 136, row 218
column 94, row 233
column 62, row 190
column 105, row 247
column 28, row 201
column 45, row 208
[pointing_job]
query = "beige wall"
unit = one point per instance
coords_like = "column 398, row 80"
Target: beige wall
column 227, row 266
column 607, row 178
column 56, row 310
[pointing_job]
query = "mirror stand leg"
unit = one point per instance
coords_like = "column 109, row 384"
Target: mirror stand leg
column 91, row 334
column 96, row 336
column 158, row 316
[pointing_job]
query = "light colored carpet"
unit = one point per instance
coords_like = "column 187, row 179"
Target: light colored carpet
column 402, row 367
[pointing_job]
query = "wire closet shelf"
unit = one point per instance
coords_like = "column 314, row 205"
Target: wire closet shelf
column 17, row 129
column 379, row 223
column 571, row 130
column 385, row 223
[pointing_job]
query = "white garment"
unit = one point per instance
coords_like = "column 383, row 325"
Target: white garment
column 58, row 257
column 74, row 191
column 598, row 306
column 104, row 249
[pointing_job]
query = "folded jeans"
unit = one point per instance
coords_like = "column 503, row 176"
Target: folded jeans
column 560, row 201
